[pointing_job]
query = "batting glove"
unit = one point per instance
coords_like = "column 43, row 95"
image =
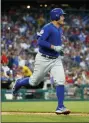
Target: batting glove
column 58, row 48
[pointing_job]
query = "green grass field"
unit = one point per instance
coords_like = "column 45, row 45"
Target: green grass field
column 74, row 106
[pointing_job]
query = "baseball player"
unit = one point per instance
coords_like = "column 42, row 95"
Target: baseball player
column 48, row 59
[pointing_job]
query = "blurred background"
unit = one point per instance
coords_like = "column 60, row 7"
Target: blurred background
column 20, row 22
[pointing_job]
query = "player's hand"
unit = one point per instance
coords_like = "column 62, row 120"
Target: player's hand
column 58, row 48
column 61, row 53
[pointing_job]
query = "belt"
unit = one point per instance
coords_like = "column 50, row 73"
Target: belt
column 50, row 57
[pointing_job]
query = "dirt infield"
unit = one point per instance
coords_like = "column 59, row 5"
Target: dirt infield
column 42, row 113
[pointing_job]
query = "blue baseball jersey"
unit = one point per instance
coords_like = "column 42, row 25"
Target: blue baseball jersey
column 49, row 35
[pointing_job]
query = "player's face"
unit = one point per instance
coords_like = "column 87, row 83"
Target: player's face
column 61, row 20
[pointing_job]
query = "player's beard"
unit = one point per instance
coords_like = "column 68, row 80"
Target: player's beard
column 61, row 22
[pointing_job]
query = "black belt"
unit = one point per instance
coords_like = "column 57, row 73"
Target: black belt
column 50, row 57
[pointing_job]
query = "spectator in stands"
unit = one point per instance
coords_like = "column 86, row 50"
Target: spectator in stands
column 77, row 58
column 87, row 39
column 5, row 68
column 25, row 71
column 16, row 57
column 10, row 59
column 70, row 79
column 22, row 59
column 6, row 79
column 41, row 20
column 82, row 36
column 4, row 58
column 85, row 77
column 83, row 64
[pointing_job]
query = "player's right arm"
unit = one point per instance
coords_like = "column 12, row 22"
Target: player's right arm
column 43, row 35
column 42, row 40
column 57, row 48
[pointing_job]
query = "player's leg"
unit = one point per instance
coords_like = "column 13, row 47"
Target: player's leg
column 26, row 81
column 40, row 70
column 59, row 79
column 19, row 83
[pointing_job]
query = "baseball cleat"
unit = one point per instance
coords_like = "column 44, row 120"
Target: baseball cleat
column 62, row 110
column 15, row 96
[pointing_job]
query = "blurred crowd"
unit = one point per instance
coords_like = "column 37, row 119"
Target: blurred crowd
column 19, row 44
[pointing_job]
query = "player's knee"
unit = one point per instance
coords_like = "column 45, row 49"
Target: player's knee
column 35, row 80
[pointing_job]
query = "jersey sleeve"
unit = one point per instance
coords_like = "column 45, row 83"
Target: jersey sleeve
column 43, row 36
